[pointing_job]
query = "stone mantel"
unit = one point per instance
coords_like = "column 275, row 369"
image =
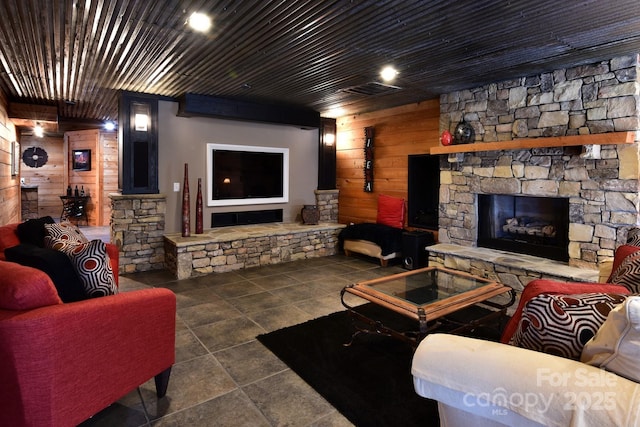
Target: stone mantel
column 628, row 137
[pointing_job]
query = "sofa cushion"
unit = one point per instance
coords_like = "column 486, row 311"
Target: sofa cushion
column 91, row 263
column 628, row 273
column 390, row 211
column 25, row 288
column 55, row 264
column 65, row 231
column 32, row 231
column 616, row 345
column 562, row 324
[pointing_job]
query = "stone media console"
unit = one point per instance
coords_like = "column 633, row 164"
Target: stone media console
column 232, row 248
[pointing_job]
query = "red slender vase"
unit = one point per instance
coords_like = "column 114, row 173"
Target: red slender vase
column 199, row 208
column 186, row 214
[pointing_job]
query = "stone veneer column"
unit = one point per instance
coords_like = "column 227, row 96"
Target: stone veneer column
column 327, row 202
column 137, row 227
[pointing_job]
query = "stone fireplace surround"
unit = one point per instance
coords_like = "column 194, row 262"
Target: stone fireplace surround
column 603, row 193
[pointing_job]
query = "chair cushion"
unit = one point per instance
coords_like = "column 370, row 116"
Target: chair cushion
column 55, row 264
column 32, row 231
column 25, row 288
column 66, row 231
column 562, row 324
column 616, row 345
column 628, row 273
column 91, row 263
column 390, row 211
column 8, row 237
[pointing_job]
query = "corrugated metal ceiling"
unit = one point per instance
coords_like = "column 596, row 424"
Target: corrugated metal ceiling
column 77, row 54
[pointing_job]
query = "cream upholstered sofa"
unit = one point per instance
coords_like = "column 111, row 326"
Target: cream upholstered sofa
column 481, row 383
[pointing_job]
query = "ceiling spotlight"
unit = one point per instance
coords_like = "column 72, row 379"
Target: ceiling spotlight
column 199, row 22
column 109, row 126
column 388, row 73
column 38, row 131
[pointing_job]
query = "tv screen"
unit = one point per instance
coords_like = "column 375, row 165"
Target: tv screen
column 247, row 175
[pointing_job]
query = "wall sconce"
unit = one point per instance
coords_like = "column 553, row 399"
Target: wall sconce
column 38, row 130
column 141, row 122
column 226, row 181
column 329, row 139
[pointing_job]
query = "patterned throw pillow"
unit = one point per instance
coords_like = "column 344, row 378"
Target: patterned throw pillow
column 66, row 231
column 633, row 237
column 91, row 263
column 628, row 273
column 562, row 324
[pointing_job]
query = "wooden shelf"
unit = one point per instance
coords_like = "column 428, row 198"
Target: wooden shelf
column 527, row 143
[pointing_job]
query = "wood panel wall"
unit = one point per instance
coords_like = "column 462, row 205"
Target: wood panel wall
column 9, row 185
column 400, row 131
column 87, row 180
column 102, row 179
column 108, row 181
column 49, row 178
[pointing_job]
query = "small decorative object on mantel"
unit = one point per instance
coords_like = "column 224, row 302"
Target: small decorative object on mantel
column 368, row 159
column 186, row 213
column 446, row 138
column 464, row 133
column 199, row 229
column 310, row 214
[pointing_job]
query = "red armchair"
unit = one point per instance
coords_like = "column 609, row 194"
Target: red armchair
column 62, row 363
column 544, row 286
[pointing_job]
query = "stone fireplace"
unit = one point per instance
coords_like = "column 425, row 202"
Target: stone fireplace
column 601, row 193
column 602, row 205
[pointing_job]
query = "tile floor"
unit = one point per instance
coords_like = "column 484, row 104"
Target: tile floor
column 223, row 376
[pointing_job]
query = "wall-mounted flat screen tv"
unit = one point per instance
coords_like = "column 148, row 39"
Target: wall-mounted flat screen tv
column 247, row 175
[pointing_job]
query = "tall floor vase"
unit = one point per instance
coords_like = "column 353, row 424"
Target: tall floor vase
column 199, row 208
column 186, row 213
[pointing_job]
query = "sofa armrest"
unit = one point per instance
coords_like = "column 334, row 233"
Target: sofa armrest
column 508, row 384
column 66, row 362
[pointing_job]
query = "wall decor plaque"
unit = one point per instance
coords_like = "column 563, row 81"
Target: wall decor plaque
column 368, row 159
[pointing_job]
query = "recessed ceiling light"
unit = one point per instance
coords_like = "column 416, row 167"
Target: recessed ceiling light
column 388, row 73
column 109, row 126
column 199, row 22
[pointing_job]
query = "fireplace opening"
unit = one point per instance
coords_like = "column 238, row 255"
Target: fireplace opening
column 528, row 225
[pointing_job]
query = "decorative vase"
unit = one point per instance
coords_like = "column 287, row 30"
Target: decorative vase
column 310, row 214
column 186, row 213
column 199, row 208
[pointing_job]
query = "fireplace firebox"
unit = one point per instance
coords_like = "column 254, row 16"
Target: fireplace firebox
column 524, row 224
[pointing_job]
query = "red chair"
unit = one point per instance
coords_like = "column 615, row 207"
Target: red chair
column 62, row 363
column 545, row 286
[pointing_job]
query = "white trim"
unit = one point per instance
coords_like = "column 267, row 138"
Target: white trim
column 256, row 201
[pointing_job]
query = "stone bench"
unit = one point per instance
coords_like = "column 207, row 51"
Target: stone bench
column 232, row 248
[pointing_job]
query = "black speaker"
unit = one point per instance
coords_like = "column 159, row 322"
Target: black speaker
column 414, row 254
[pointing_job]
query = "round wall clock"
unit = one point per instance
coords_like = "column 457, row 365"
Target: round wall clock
column 35, row 157
column 464, row 133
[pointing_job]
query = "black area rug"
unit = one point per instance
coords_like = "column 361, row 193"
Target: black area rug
column 369, row 382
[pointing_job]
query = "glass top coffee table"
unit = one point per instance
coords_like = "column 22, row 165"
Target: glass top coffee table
column 426, row 295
